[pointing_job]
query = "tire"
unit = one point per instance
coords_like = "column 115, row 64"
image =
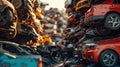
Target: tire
column 112, row 21
column 6, row 17
column 10, row 19
column 105, row 59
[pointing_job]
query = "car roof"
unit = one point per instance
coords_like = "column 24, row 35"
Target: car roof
column 9, row 43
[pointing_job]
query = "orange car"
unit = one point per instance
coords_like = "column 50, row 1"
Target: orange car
column 106, row 51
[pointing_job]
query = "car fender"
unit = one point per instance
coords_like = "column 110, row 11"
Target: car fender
column 113, row 48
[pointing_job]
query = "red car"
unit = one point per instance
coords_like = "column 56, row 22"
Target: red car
column 105, row 12
column 106, row 51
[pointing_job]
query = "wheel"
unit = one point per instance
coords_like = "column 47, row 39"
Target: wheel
column 5, row 17
column 112, row 21
column 6, row 21
column 108, row 58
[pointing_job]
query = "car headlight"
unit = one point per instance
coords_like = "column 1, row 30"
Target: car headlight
column 91, row 45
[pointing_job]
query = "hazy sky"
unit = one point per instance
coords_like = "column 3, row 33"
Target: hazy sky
column 55, row 3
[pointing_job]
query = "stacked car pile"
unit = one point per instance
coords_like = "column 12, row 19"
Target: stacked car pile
column 20, row 23
column 96, row 25
column 21, row 33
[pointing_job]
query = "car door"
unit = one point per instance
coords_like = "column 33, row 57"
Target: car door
column 3, row 61
column 9, row 60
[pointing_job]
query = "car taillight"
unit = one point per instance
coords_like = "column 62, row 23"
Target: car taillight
column 40, row 62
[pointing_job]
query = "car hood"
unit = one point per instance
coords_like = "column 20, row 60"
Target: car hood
column 95, row 39
column 108, row 41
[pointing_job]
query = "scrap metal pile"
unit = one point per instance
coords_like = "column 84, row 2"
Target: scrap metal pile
column 91, row 34
column 26, row 25
column 26, row 22
column 94, row 25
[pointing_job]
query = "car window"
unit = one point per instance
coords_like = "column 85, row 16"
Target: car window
column 10, row 48
column 14, row 49
column 116, row 2
column 95, row 2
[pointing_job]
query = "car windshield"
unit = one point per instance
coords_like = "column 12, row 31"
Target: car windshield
column 119, row 1
column 116, row 2
column 95, row 2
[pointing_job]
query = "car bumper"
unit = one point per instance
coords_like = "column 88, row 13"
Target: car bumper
column 94, row 19
column 90, row 55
